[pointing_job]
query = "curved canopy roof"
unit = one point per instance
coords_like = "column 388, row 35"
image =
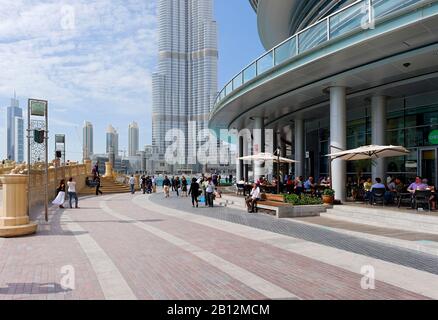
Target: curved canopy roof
column 278, row 20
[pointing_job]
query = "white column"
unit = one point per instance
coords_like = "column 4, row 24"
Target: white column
column 299, row 148
column 239, row 171
column 378, row 133
column 258, row 146
column 338, row 139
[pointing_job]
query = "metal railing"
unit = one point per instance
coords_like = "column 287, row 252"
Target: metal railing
column 362, row 14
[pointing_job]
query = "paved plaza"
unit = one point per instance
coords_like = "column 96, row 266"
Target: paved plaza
column 147, row 247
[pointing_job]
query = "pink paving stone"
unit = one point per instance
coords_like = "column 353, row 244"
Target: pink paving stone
column 28, row 264
column 307, row 278
column 153, row 268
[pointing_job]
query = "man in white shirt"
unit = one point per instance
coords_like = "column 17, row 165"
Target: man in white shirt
column 72, row 193
column 209, row 191
column 132, row 183
column 254, row 196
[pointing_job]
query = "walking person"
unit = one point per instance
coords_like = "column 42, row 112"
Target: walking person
column 72, row 193
column 60, row 196
column 98, row 191
column 95, row 171
column 143, row 183
column 177, row 184
column 166, row 187
column 204, row 185
column 184, row 184
column 209, row 191
column 194, row 192
column 132, row 184
column 154, row 184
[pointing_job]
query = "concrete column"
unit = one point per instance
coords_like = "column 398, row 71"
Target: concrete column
column 258, row 146
column 88, row 167
column 14, row 220
column 240, row 168
column 137, row 181
column 108, row 170
column 299, row 147
column 338, row 139
column 283, row 136
column 378, row 133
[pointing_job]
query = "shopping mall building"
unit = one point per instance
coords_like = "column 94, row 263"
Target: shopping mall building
column 339, row 74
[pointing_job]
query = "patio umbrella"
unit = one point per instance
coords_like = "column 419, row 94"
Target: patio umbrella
column 370, row 152
column 264, row 156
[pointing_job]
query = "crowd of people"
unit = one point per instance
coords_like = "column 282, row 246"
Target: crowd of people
column 201, row 189
column 291, row 184
column 393, row 187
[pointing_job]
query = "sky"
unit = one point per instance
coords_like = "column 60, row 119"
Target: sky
column 93, row 61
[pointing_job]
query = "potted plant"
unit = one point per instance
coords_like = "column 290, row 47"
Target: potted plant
column 328, row 197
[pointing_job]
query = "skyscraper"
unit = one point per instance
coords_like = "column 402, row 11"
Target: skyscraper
column 133, row 136
column 185, row 84
column 15, row 131
column 112, row 141
column 88, row 140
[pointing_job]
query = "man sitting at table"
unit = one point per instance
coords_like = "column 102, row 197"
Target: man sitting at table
column 377, row 185
column 252, row 199
column 309, row 185
column 417, row 185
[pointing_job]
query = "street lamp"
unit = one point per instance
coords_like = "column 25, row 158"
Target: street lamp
column 277, row 152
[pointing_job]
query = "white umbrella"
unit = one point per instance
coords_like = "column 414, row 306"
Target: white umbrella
column 264, row 156
column 370, row 152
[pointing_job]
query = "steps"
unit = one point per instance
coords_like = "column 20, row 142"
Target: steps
column 403, row 219
column 108, row 186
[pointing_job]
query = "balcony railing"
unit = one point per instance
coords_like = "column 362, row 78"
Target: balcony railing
column 362, row 14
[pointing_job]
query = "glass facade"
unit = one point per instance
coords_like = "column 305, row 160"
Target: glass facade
column 345, row 21
column 414, row 127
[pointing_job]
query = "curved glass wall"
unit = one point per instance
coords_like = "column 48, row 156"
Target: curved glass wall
column 359, row 15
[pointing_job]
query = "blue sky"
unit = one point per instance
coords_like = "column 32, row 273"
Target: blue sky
column 93, row 60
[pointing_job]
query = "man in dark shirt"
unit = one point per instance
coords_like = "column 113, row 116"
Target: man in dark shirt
column 166, row 186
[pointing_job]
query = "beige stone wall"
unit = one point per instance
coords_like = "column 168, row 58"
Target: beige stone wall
column 78, row 172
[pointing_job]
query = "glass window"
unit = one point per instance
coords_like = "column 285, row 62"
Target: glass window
column 286, row 51
column 229, row 88
column 265, row 63
column 249, row 73
column 347, row 20
column 237, row 81
column 313, row 36
column 385, row 7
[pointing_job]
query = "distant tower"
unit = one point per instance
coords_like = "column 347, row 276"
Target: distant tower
column 133, row 138
column 15, row 131
column 185, row 84
column 87, row 140
column 112, row 143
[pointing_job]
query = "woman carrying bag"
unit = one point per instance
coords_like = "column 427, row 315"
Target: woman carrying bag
column 60, row 197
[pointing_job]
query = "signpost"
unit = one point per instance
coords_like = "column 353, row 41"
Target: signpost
column 433, row 137
column 60, row 147
column 37, row 145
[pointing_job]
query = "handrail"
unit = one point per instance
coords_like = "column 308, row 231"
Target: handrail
column 367, row 11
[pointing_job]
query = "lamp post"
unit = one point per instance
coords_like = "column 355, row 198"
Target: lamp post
column 278, row 169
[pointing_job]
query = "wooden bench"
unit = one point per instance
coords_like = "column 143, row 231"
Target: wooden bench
column 271, row 202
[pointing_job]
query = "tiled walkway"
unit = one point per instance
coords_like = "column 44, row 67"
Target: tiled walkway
column 146, row 247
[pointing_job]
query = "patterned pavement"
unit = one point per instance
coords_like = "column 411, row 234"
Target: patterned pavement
column 405, row 257
column 147, row 247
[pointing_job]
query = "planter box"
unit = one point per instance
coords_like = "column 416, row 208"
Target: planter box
column 301, row 211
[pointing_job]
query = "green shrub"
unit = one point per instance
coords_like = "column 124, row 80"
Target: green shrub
column 329, row 192
column 303, row 200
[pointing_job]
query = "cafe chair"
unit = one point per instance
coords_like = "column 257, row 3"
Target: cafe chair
column 378, row 196
column 422, row 198
column 240, row 189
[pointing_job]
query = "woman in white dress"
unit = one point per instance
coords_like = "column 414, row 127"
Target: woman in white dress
column 60, row 197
